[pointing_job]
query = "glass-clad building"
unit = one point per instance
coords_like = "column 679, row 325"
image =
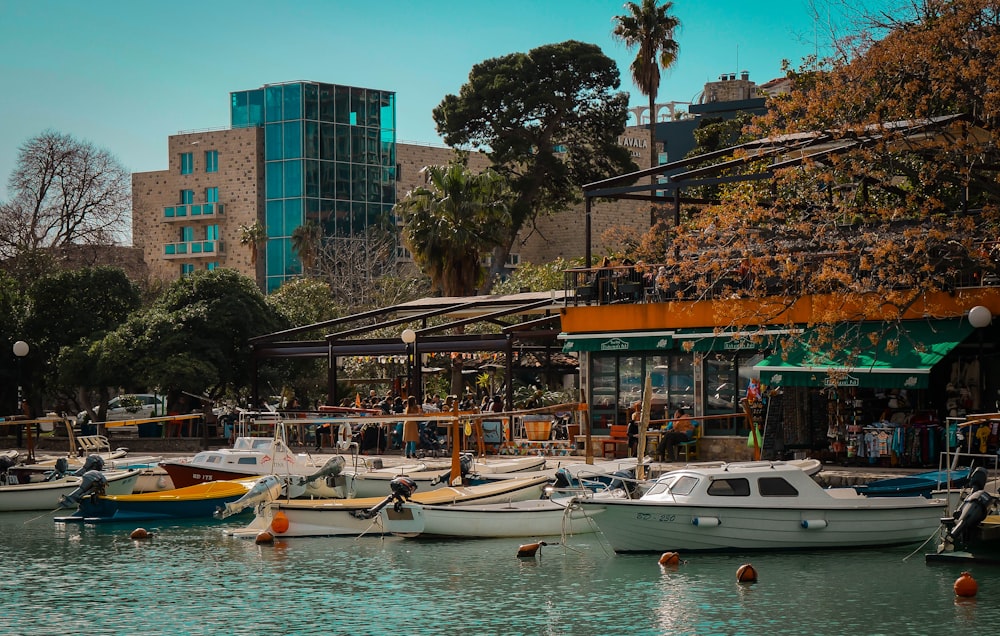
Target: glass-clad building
column 329, row 157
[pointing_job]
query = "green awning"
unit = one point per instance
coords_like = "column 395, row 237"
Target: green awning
column 613, row 342
column 707, row 339
column 868, row 354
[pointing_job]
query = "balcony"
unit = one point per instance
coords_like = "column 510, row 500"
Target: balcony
column 193, row 249
column 193, row 212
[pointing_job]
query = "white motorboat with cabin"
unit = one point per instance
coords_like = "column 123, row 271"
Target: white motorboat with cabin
column 758, row 506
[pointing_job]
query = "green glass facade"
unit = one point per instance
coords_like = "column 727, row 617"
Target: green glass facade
column 329, row 157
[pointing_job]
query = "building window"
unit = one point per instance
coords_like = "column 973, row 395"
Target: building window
column 187, row 163
column 211, row 195
column 187, row 197
column 187, row 234
column 212, row 233
column 211, row 161
column 186, row 269
column 212, row 266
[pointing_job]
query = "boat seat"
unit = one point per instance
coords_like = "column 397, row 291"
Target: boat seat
column 619, row 436
column 689, row 449
column 93, row 444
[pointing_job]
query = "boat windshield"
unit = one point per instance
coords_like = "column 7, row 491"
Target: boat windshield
column 675, row 484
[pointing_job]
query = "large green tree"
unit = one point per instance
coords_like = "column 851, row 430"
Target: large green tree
column 71, row 310
column 549, row 120
column 195, row 337
column 649, row 27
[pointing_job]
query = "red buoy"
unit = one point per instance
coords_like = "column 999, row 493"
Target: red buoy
column 966, row 586
column 140, row 533
column 746, row 574
column 264, row 537
column 670, row 558
column 529, row 549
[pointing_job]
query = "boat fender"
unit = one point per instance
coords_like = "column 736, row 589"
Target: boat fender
column 813, row 524
column 973, row 510
column 93, row 462
column 91, row 483
column 708, row 522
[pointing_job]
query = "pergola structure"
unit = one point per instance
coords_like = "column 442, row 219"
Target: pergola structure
column 524, row 321
column 729, row 165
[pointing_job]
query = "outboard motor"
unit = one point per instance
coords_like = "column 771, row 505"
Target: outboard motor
column 6, row 463
column 59, row 471
column 93, row 462
column 92, row 482
column 402, row 488
column 973, row 510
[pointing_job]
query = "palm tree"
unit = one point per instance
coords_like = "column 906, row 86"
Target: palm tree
column 306, row 242
column 452, row 221
column 252, row 236
column 650, row 27
column 448, row 225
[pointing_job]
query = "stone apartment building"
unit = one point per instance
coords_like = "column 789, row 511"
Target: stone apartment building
column 303, row 151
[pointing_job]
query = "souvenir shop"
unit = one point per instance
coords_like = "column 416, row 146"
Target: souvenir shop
column 893, row 411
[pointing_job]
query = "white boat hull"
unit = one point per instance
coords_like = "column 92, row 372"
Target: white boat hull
column 535, row 518
column 333, row 517
column 758, row 506
column 46, row 495
column 636, row 526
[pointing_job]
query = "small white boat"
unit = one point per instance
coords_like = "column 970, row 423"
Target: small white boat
column 353, row 517
column 533, row 518
column 47, row 495
column 758, row 506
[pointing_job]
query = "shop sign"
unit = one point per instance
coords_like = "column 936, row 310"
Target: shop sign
column 847, row 380
column 615, row 344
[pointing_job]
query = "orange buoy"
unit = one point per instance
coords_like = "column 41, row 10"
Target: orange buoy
column 280, row 522
column 529, row 549
column 670, row 558
column 264, row 537
column 746, row 574
column 966, row 586
column 140, row 533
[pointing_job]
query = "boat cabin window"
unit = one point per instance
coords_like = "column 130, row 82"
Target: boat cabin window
column 247, row 460
column 776, row 487
column 684, row 485
column 261, row 443
column 737, row 487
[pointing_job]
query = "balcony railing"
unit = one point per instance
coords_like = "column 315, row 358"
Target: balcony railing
column 192, row 211
column 655, row 283
column 193, row 249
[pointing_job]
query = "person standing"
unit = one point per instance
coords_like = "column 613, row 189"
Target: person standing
column 635, row 421
column 411, row 428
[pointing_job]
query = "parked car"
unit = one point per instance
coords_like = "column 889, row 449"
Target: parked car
column 131, row 406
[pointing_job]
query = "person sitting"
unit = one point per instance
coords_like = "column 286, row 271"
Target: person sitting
column 678, row 430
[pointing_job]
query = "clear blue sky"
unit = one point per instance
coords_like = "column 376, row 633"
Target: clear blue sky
column 125, row 75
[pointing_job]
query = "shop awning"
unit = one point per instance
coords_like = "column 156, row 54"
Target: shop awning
column 616, row 342
column 868, row 354
column 707, row 339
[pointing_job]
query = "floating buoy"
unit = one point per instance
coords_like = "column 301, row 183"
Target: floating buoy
column 529, row 549
column 670, row 558
column 280, row 522
column 264, row 537
column 142, row 533
column 966, row 586
column 746, row 574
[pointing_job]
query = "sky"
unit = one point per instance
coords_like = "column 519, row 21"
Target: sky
column 125, row 75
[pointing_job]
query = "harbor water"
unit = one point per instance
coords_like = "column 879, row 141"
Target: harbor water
column 191, row 578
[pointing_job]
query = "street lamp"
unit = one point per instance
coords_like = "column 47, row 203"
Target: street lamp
column 409, row 337
column 21, row 349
